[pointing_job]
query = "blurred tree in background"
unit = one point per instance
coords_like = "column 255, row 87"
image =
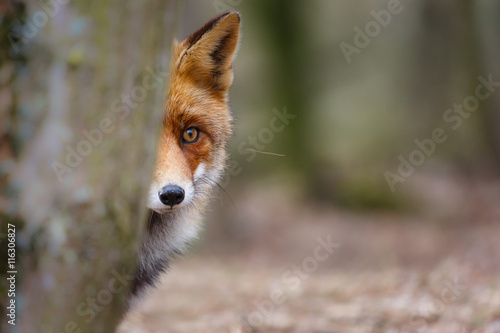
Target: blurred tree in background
column 354, row 119
column 454, row 45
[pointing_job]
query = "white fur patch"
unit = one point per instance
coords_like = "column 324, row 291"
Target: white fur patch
column 200, row 171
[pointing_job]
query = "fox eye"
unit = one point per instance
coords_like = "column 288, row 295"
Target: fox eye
column 190, row 135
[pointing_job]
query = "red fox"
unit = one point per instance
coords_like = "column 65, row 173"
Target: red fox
column 191, row 154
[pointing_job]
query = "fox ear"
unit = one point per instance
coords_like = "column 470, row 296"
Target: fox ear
column 208, row 53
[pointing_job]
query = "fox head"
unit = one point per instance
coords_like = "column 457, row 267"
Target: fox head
column 197, row 124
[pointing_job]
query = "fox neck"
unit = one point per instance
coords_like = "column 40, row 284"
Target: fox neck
column 167, row 236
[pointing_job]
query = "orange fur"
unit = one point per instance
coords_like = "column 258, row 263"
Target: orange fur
column 200, row 75
column 186, row 172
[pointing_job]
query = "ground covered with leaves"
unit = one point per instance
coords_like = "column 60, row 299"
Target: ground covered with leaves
column 290, row 268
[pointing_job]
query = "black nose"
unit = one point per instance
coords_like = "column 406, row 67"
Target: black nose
column 171, row 195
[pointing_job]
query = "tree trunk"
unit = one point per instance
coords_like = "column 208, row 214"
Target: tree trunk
column 487, row 20
column 90, row 102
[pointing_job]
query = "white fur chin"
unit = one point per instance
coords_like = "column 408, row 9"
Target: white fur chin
column 185, row 217
column 179, row 230
column 184, row 229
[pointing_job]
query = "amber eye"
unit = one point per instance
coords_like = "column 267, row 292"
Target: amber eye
column 190, row 135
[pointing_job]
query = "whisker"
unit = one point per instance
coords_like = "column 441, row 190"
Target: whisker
column 231, row 199
column 210, row 182
column 265, row 152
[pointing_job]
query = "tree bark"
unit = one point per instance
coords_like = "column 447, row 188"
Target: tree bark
column 92, row 98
